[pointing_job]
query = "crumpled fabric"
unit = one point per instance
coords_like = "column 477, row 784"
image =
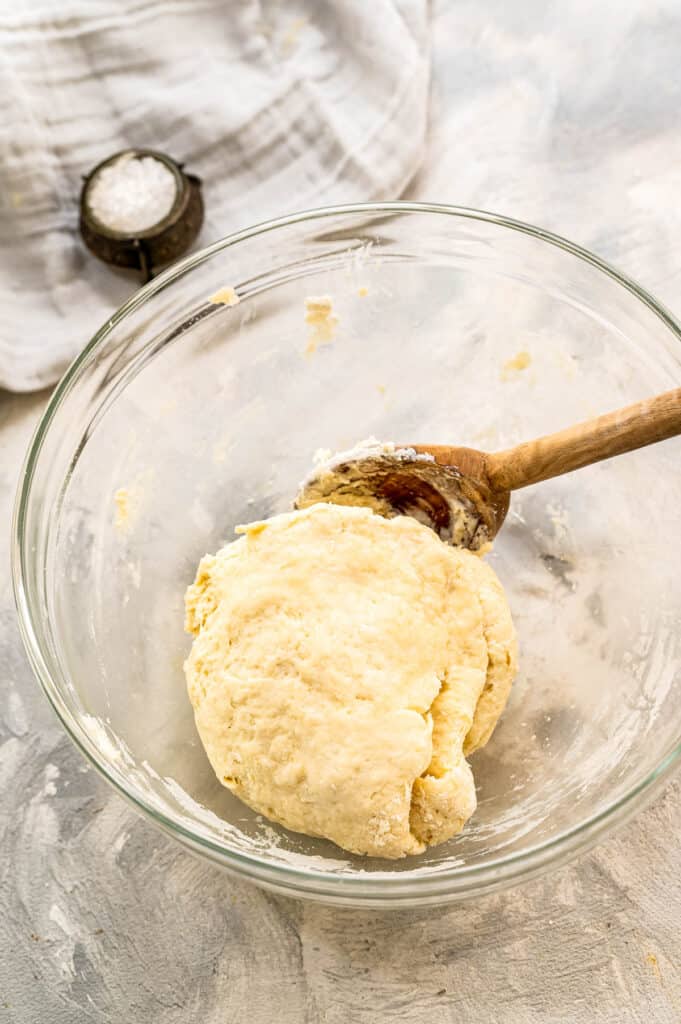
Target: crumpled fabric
column 277, row 107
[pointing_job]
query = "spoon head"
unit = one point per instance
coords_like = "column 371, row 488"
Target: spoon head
column 427, row 484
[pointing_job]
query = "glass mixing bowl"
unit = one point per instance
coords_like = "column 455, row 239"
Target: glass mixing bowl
column 183, row 418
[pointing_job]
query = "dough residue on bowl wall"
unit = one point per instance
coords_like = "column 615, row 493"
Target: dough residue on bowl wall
column 226, row 296
column 319, row 314
column 122, row 507
column 512, row 367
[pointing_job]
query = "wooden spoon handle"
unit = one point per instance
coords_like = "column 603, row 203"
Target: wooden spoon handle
column 654, row 419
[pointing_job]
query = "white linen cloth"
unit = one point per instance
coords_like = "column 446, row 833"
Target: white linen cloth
column 276, row 106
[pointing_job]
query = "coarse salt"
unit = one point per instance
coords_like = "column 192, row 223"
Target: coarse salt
column 132, row 194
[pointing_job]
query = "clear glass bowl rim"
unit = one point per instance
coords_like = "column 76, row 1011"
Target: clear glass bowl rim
column 365, row 887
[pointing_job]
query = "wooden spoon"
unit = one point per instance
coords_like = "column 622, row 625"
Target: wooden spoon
column 464, row 494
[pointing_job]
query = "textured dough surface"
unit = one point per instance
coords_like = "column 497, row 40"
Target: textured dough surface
column 341, row 664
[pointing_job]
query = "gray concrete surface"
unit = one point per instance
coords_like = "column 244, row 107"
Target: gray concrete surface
column 567, row 115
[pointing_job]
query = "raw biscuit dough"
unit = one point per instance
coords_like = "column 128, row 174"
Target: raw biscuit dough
column 342, row 667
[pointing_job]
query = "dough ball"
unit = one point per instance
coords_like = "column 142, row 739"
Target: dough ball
column 342, row 666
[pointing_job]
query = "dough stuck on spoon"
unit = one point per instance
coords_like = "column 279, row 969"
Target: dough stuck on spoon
column 463, row 493
column 343, row 667
column 396, row 481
